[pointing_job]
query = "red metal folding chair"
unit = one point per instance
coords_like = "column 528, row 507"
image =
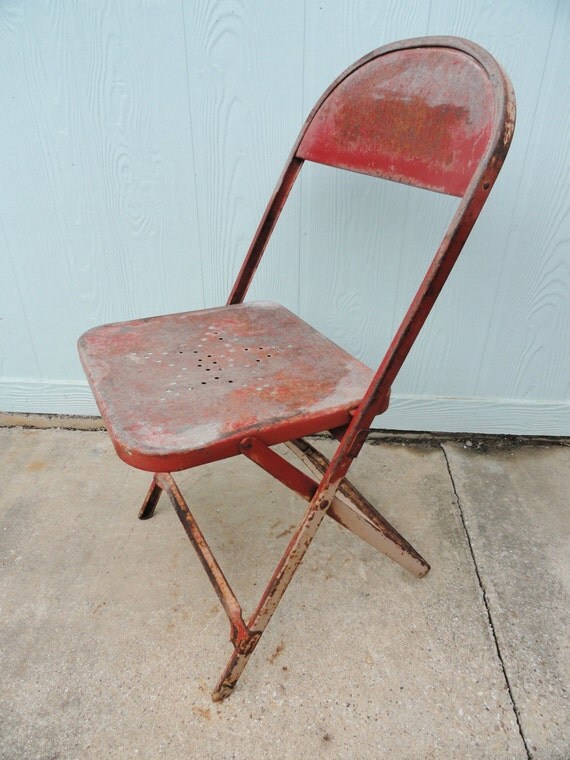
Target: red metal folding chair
column 181, row 390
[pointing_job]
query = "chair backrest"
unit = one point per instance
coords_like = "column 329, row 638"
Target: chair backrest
column 418, row 115
column 434, row 112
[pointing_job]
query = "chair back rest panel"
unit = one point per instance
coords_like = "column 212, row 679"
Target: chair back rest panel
column 421, row 116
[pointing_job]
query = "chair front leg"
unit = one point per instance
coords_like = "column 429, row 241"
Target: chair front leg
column 276, row 587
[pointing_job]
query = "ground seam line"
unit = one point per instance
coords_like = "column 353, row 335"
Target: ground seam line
column 487, row 606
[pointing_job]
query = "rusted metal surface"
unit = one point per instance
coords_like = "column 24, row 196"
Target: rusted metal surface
column 185, row 389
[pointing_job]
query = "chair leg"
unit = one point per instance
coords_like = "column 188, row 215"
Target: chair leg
column 353, row 510
column 244, row 637
column 240, row 635
column 276, row 587
column 150, row 501
column 233, row 670
column 355, row 513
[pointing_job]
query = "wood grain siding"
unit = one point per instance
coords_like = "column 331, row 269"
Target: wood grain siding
column 245, row 74
column 535, row 277
column 139, row 143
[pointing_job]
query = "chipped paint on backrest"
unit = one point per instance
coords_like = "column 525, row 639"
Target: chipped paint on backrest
column 422, row 116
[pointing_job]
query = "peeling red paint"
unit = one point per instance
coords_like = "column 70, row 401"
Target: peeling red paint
column 422, row 118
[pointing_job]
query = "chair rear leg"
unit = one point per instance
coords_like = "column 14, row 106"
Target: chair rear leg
column 150, row 501
column 365, row 521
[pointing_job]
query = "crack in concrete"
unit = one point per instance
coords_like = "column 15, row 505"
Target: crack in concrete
column 487, row 606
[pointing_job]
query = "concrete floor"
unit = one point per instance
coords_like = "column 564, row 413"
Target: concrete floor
column 111, row 637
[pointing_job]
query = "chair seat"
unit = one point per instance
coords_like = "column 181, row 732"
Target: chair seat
column 180, row 390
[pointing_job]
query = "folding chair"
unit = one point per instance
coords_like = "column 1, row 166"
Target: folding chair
column 182, row 390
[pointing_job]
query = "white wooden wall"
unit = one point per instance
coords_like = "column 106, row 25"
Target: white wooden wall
column 139, row 141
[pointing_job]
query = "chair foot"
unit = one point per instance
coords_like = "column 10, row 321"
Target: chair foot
column 230, row 676
column 150, row 502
